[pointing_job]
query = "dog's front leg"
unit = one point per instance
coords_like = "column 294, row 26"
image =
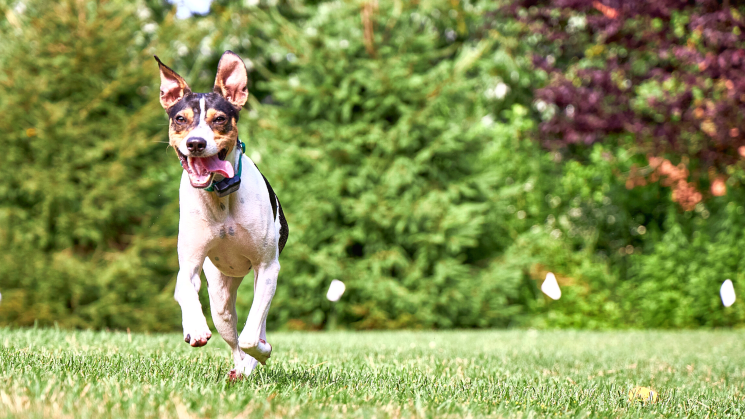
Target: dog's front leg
column 188, row 282
column 253, row 336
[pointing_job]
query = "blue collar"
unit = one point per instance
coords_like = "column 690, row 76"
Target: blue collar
column 229, row 185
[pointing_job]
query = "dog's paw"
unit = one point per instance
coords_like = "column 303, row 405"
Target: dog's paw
column 242, row 369
column 234, row 376
column 259, row 350
column 197, row 336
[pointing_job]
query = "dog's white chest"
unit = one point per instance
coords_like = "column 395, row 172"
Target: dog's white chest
column 230, row 248
column 237, row 231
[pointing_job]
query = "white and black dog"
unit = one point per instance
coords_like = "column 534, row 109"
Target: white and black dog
column 230, row 218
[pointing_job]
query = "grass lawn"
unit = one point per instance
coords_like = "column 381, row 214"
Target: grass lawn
column 51, row 373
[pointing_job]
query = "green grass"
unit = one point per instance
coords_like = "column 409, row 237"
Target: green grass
column 51, row 373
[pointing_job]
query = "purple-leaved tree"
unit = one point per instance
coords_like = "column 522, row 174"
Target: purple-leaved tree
column 667, row 75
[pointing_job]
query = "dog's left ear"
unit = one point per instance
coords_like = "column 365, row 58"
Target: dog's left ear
column 232, row 79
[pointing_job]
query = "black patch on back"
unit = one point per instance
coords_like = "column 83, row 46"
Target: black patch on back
column 284, row 228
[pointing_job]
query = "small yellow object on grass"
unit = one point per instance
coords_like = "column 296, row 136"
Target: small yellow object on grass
column 643, row 394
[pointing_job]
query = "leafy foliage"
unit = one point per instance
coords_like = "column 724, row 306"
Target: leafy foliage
column 400, row 139
column 665, row 74
column 388, row 169
column 83, row 237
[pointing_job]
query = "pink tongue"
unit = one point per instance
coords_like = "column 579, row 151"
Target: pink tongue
column 213, row 164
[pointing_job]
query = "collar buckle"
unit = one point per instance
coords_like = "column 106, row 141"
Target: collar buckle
column 229, row 185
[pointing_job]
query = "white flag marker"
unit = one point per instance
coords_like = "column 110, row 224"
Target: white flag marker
column 550, row 287
column 727, row 292
column 336, row 289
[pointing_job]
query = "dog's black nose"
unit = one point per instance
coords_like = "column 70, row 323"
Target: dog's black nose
column 196, row 145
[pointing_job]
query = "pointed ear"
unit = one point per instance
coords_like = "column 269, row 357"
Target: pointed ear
column 172, row 86
column 232, row 79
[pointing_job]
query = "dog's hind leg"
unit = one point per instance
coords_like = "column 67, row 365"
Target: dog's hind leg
column 223, row 290
column 253, row 336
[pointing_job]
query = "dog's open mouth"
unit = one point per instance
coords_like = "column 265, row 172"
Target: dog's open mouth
column 201, row 170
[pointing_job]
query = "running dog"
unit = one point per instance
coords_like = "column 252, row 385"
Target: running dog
column 230, row 219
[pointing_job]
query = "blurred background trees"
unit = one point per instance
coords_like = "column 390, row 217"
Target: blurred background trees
column 438, row 157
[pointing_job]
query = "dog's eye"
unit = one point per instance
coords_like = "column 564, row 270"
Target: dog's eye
column 180, row 119
column 219, row 120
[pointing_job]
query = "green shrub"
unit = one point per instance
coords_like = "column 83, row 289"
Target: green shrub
column 87, row 207
column 385, row 155
column 401, row 141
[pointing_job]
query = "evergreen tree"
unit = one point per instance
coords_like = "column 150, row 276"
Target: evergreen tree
column 88, row 207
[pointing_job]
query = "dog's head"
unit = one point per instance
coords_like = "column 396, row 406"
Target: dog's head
column 203, row 126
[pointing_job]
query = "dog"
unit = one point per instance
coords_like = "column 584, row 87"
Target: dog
column 230, row 221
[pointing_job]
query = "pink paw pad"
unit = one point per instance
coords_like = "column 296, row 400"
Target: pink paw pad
column 234, row 376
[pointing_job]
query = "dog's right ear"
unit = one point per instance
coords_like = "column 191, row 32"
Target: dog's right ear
column 172, row 86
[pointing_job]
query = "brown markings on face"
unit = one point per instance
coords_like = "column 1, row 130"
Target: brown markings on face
column 224, row 127
column 179, row 129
